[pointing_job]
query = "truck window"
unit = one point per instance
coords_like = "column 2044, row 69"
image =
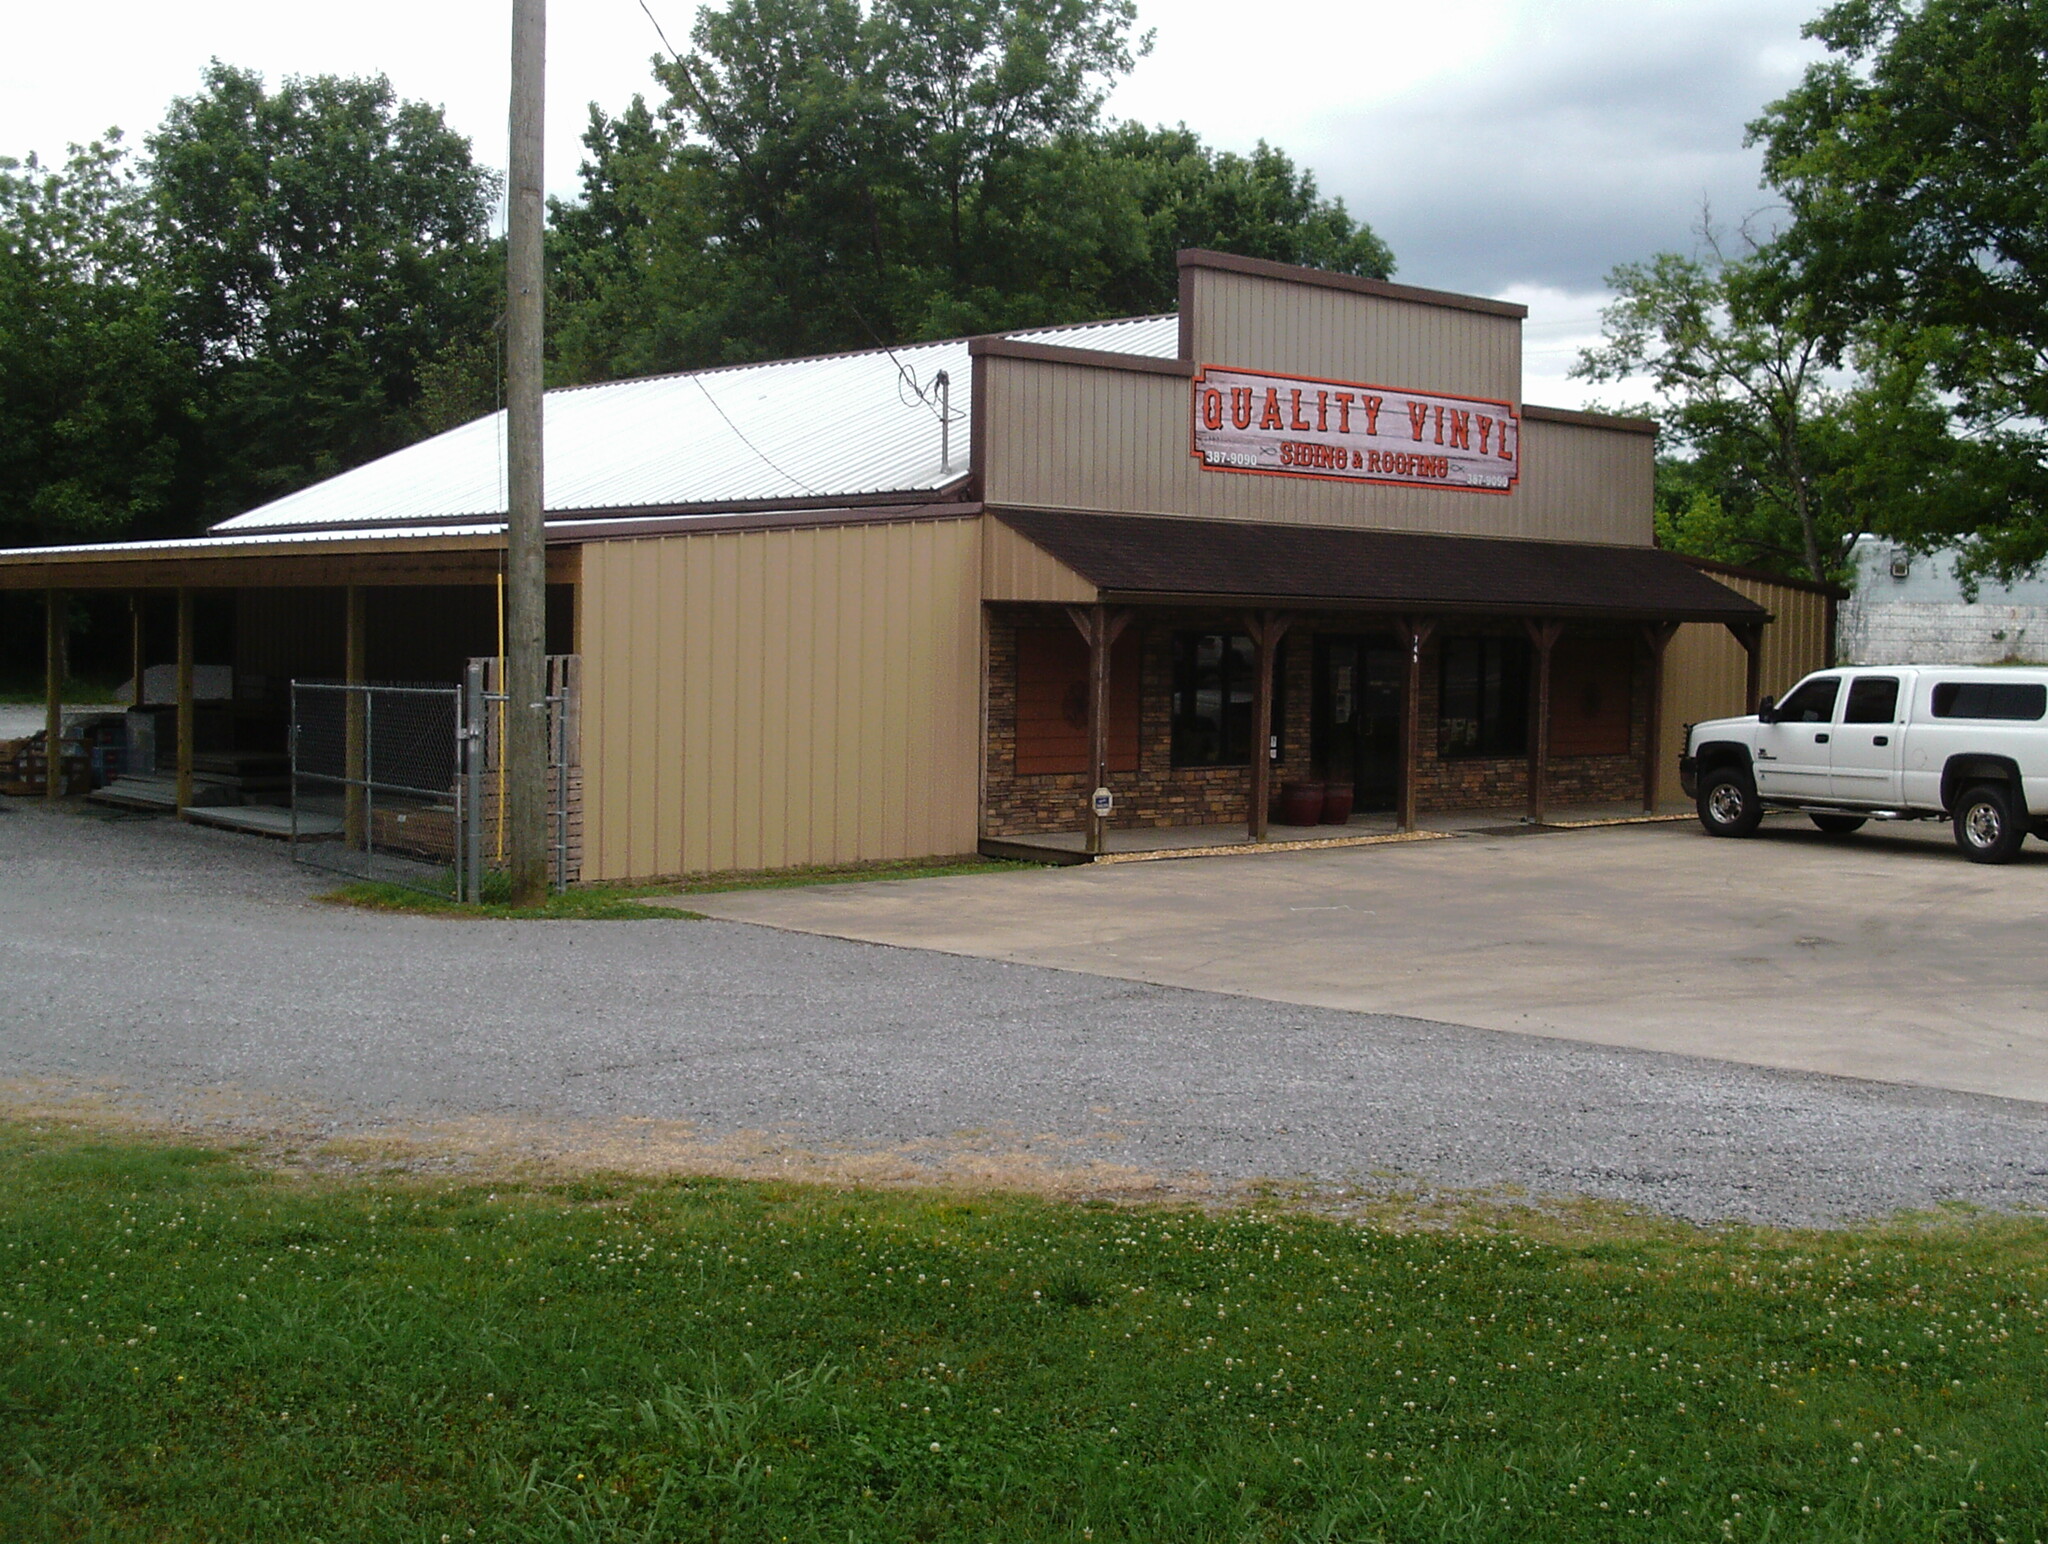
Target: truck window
column 1873, row 699
column 1990, row 699
column 1811, row 702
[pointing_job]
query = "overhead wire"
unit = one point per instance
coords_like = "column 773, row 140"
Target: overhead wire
column 756, row 449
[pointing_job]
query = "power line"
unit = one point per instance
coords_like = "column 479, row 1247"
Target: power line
column 660, row 34
column 756, row 449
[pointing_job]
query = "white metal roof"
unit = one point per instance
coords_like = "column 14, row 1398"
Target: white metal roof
column 841, row 426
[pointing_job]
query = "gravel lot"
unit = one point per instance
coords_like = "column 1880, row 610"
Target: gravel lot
column 187, row 971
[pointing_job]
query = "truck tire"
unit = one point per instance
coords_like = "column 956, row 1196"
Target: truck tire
column 1837, row 825
column 1986, row 829
column 1728, row 804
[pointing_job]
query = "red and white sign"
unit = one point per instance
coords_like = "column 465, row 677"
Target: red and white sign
column 1298, row 426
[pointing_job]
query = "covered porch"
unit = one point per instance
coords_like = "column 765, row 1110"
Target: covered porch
column 1411, row 681
column 219, row 628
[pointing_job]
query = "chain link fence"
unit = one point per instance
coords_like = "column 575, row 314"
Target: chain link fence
column 406, row 784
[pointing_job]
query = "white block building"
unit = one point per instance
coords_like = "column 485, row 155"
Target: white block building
column 1907, row 607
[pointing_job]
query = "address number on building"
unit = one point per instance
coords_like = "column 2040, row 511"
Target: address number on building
column 1348, row 431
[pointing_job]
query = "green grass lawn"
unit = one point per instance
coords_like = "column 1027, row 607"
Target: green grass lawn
column 195, row 1349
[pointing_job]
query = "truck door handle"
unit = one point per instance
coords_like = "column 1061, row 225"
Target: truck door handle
column 1883, row 739
column 1820, row 739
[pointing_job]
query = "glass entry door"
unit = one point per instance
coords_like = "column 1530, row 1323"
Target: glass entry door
column 1356, row 717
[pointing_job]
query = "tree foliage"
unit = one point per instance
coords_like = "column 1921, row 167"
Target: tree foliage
column 92, row 400
column 322, row 245
column 1914, row 163
column 286, row 284
column 825, row 175
column 290, row 281
column 1777, row 460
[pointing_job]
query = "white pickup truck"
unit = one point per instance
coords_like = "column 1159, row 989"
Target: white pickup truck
column 1894, row 742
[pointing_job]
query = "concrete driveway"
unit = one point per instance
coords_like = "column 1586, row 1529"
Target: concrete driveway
column 1883, row 955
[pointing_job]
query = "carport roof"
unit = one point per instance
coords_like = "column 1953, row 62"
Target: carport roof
column 1158, row 558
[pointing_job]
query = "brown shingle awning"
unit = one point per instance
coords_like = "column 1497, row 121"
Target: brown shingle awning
column 1147, row 557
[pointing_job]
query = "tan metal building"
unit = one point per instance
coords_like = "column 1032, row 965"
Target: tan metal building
column 915, row 603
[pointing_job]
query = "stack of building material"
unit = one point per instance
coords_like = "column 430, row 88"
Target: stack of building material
column 159, row 791
column 258, row 777
column 24, row 766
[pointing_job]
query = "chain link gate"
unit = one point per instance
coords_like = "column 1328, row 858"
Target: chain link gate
column 406, row 784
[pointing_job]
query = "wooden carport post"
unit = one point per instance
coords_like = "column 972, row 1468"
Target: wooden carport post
column 1543, row 638
column 1751, row 636
column 1101, row 627
column 186, row 725
column 1415, row 632
column 54, row 602
column 136, row 653
column 1266, row 628
column 355, row 726
column 1656, row 638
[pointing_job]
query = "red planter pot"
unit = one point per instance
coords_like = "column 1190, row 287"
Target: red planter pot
column 1337, row 798
column 1301, row 804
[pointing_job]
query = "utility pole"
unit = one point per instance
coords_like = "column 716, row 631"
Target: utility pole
column 526, row 740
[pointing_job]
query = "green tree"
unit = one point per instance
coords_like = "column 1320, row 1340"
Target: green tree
column 1914, row 162
column 93, row 396
column 1260, row 205
column 322, row 246
column 825, row 176
column 1774, row 459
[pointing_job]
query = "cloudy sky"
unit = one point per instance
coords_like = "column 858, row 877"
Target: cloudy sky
column 1518, row 148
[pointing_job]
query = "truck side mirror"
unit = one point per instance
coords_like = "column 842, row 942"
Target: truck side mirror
column 1766, row 710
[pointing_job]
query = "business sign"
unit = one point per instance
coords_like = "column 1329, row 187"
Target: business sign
column 1298, row 426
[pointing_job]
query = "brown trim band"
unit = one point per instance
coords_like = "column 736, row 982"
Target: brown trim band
column 1288, row 273
column 1585, row 420
column 1763, row 576
column 1100, row 359
column 1388, row 608
column 789, row 520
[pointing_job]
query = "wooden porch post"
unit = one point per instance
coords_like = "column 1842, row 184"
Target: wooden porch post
column 1656, row 637
column 1267, row 628
column 186, row 724
column 1415, row 632
column 1543, row 638
column 1101, row 627
column 53, row 695
column 136, row 653
column 355, row 748
column 1751, row 636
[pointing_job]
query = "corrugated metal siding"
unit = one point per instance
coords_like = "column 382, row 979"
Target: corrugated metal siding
column 770, row 699
column 1705, row 668
column 1070, row 437
column 1600, row 483
column 1264, row 324
column 1015, row 569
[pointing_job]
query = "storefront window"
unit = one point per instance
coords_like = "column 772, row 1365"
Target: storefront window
column 1214, row 678
column 1483, row 708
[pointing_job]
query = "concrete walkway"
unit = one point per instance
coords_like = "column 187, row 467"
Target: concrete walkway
column 1883, row 955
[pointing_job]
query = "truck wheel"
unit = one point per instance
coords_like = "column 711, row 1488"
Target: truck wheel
column 1728, row 804
column 1985, row 828
column 1837, row 825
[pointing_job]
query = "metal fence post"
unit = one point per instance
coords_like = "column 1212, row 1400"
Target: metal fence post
column 558, row 749
column 293, row 748
column 369, row 776
column 474, row 727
